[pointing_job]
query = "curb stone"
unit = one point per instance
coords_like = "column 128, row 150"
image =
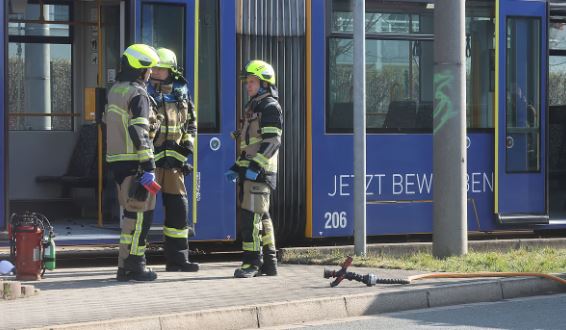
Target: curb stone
column 11, row 290
column 292, row 312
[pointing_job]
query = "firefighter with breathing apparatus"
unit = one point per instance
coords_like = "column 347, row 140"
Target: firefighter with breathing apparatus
column 173, row 145
column 256, row 169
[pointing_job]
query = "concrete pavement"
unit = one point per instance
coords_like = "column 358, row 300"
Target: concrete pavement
column 90, row 298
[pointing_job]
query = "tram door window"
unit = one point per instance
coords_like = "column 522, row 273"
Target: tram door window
column 208, row 110
column 523, row 94
column 162, row 27
column 557, row 117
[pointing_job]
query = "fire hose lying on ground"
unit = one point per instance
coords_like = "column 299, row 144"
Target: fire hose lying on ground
column 372, row 279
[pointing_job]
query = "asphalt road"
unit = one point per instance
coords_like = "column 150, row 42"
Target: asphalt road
column 543, row 312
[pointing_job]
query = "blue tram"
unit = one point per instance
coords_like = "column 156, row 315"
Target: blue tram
column 59, row 56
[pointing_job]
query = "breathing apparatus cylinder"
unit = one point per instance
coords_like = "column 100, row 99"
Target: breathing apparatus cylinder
column 49, row 258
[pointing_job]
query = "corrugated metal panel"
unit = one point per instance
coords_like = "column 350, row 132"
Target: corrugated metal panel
column 274, row 32
column 275, row 18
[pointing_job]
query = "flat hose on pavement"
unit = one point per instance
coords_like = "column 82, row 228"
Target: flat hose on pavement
column 371, row 279
column 484, row 274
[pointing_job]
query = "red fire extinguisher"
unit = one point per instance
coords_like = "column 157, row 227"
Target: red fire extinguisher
column 31, row 235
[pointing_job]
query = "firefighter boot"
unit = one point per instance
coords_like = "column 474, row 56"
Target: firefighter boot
column 251, row 263
column 269, row 266
column 187, row 266
column 246, row 271
column 134, row 269
column 177, row 255
column 122, row 275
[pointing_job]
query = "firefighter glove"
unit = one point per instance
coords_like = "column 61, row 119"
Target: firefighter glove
column 147, row 178
column 231, row 176
column 251, row 174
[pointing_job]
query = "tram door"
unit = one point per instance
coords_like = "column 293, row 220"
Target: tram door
column 520, row 143
column 557, row 112
column 209, row 38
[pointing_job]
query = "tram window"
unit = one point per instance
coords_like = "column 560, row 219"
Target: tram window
column 40, row 90
column 557, row 64
column 399, row 65
column 523, row 94
column 378, row 21
column 557, row 35
column 17, row 25
column 480, row 69
column 557, row 81
column 399, row 85
column 399, row 58
column 208, row 111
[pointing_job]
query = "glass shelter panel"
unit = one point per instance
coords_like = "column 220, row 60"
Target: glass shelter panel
column 523, row 94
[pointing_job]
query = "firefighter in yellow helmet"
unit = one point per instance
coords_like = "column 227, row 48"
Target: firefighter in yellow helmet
column 129, row 153
column 173, row 145
column 256, row 169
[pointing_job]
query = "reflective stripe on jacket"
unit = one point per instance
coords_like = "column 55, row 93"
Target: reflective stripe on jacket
column 174, row 141
column 260, row 138
column 127, row 134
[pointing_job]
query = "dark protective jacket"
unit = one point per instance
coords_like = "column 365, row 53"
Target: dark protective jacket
column 174, row 140
column 128, row 118
column 260, row 138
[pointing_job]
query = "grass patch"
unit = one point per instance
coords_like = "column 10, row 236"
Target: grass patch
column 540, row 260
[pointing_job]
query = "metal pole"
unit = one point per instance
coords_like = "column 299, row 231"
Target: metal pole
column 37, row 74
column 359, row 128
column 449, row 134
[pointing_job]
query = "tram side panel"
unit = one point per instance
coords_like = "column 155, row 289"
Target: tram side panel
column 399, row 181
column 399, row 184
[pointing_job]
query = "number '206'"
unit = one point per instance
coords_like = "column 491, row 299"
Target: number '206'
column 335, row 220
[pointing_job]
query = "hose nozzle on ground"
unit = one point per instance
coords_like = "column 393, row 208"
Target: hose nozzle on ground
column 369, row 279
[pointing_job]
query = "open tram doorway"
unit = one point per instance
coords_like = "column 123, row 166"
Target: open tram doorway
column 557, row 113
column 58, row 52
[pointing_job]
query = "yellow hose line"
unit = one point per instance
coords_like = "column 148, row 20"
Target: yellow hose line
column 485, row 274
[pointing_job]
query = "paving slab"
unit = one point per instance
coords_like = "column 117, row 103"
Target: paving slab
column 213, row 298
